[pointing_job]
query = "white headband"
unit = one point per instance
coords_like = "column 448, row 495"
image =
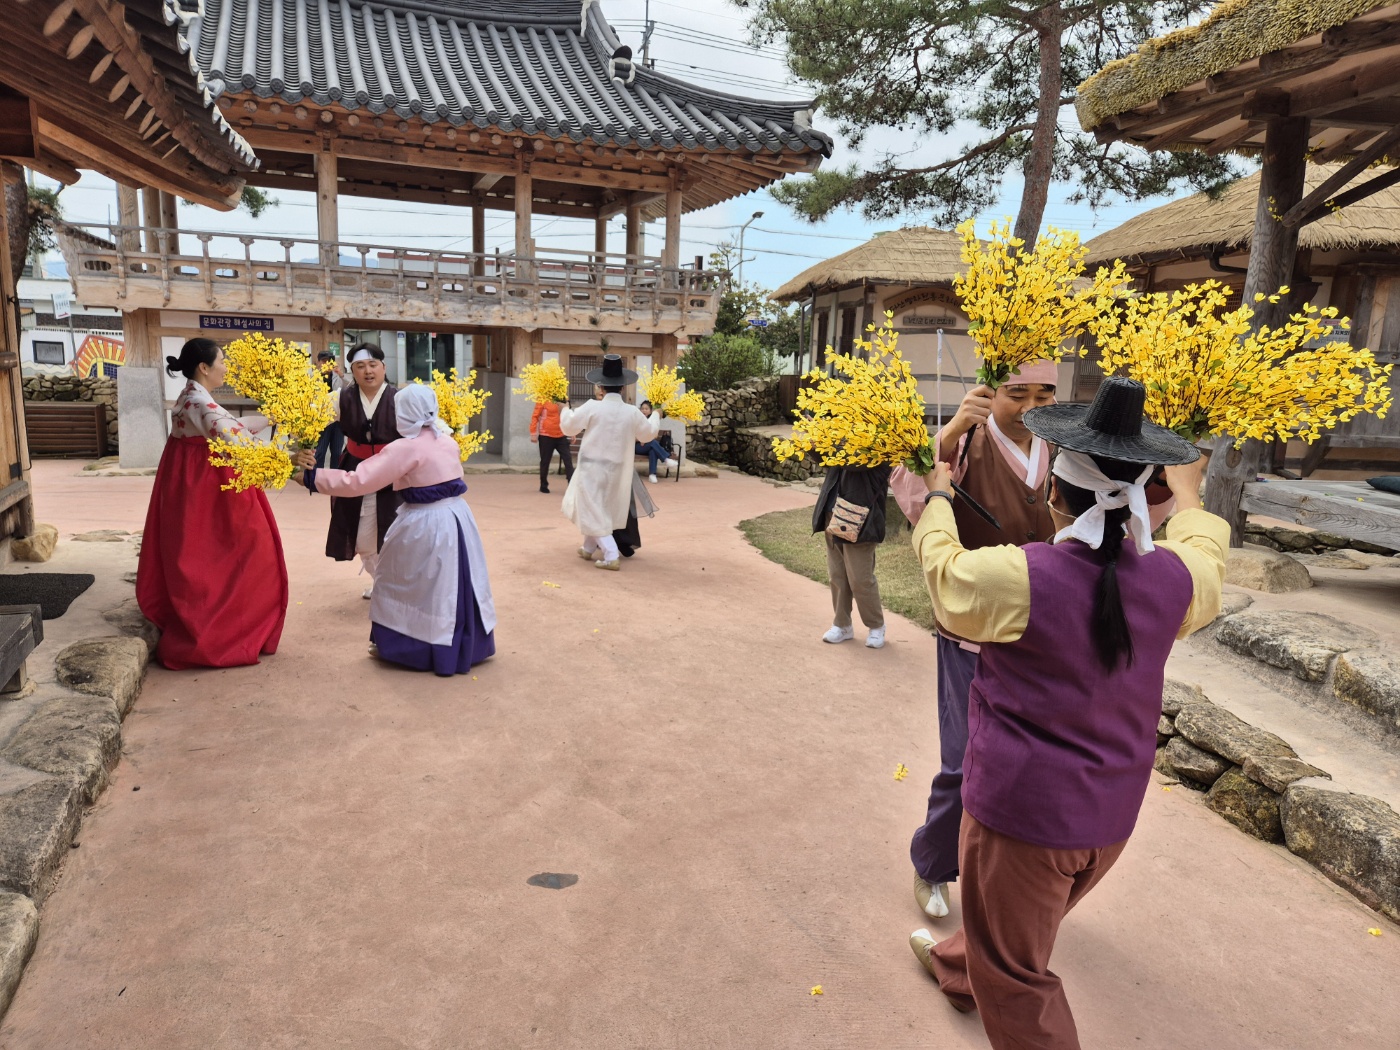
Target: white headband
column 362, row 354
column 1080, row 470
column 416, row 407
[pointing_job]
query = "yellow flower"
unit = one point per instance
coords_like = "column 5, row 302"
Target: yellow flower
column 459, row 402
column 816, row 990
column 867, row 413
column 1025, row 306
column 1374, row 931
column 901, row 771
column 1208, row 372
column 288, row 388
column 255, row 465
column 544, row 383
column 662, row 389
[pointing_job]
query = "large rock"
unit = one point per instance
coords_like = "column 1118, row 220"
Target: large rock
column 1299, row 642
column 37, row 546
column 128, row 618
column 1353, row 839
column 37, row 823
column 1176, row 695
column 1249, row 806
column 70, row 736
column 1262, row 569
column 19, row 932
column 105, row 667
column 1192, row 763
column 1232, row 602
column 1212, row 728
column 1276, row 772
column 1371, row 682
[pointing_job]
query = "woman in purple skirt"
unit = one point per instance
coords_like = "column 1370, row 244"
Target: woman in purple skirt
column 432, row 608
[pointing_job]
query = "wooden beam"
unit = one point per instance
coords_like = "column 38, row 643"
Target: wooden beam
column 1339, row 178
column 600, row 237
column 169, row 211
column 633, row 245
column 524, row 212
column 327, row 207
column 1344, row 145
column 1351, row 196
column 150, row 214
column 479, row 237
column 129, row 214
column 485, row 181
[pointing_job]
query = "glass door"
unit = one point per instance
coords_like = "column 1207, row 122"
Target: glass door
column 428, row 351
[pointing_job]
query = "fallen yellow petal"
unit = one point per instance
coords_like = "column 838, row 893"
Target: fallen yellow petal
column 546, row 583
column 901, row 771
column 1374, row 931
column 817, row 989
column 1166, row 789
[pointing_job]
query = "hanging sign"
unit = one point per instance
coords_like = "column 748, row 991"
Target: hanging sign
column 62, row 305
column 235, row 324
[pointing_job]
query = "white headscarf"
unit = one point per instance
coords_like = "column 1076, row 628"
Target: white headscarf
column 416, row 407
column 1080, row 470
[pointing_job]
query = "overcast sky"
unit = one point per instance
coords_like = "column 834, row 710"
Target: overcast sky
column 708, row 46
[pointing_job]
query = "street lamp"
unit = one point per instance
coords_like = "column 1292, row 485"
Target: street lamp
column 756, row 215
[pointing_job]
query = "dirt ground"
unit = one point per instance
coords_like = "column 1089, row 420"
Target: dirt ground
column 329, row 852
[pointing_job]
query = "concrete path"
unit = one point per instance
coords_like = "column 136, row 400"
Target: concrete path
column 328, row 852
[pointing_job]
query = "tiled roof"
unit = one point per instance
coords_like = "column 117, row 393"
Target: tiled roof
column 541, row 67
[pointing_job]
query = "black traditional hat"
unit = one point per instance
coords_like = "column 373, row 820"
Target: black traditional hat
column 612, row 373
column 1112, row 427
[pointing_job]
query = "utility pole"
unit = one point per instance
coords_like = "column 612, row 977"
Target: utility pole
column 646, row 38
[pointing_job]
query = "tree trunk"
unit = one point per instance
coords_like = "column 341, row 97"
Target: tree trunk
column 1040, row 163
column 1272, row 254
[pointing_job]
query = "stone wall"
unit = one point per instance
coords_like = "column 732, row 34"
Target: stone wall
column 1257, row 782
column 101, row 389
column 1295, row 541
column 730, row 431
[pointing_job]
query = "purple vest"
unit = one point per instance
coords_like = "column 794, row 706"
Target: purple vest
column 1059, row 751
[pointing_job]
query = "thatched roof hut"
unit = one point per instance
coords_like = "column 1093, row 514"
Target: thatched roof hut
column 1200, row 225
column 917, row 255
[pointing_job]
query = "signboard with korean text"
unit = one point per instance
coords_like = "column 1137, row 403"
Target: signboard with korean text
column 230, row 323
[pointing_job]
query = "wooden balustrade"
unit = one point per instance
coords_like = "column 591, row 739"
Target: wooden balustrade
column 554, row 288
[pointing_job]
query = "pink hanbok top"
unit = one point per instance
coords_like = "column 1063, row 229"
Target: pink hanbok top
column 427, row 459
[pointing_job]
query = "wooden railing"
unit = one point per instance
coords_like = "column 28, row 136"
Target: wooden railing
column 131, row 267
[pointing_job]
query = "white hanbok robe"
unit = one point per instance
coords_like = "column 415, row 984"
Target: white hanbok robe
column 601, row 489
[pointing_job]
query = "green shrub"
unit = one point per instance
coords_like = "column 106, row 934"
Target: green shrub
column 717, row 362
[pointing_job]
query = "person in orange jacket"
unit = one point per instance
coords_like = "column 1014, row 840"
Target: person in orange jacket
column 544, row 430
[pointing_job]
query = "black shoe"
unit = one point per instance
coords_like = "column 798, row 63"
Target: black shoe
column 544, row 488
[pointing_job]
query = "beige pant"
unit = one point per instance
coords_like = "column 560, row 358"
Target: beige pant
column 851, row 567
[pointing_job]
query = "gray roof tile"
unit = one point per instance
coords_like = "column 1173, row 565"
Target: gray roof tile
column 537, row 66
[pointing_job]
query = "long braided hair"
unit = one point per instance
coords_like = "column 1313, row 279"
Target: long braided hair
column 1113, row 640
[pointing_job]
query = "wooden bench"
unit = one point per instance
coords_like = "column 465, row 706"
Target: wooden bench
column 66, row 428
column 1347, row 508
column 21, row 631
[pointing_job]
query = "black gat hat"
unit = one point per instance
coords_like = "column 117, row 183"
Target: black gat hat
column 612, row 373
column 1112, row 427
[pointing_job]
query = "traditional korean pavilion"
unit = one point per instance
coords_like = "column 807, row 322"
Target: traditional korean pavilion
column 530, row 107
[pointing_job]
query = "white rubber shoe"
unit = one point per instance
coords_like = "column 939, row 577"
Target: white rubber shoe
column 933, row 900
column 839, row 634
column 876, row 638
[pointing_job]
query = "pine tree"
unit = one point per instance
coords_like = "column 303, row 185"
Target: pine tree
column 939, row 67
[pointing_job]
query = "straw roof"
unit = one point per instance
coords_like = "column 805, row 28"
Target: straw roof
column 1237, row 31
column 917, row 255
column 1199, row 225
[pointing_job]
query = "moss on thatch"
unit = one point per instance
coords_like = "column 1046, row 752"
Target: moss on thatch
column 1237, row 31
column 1198, row 225
column 918, row 255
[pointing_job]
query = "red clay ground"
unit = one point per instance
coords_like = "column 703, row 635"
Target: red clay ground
column 328, row 852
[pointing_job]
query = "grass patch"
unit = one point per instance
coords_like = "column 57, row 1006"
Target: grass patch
column 786, row 537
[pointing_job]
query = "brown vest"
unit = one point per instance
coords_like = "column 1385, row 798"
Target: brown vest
column 989, row 480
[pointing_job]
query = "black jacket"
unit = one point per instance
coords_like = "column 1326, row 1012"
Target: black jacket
column 863, row 486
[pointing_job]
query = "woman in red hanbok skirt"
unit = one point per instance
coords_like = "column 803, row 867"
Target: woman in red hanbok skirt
column 211, row 574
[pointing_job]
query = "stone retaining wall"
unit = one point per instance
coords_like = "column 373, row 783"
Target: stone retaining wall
column 1294, row 541
column 1257, row 782
column 728, row 432
column 101, row 389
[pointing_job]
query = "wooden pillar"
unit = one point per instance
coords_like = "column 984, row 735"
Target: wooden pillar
column 129, row 214
column 867, row 315
column 1272, row 252
column 327, row 210
column 150, row 215
column 170, row 220
column 600, row 240
column 479, row 239
column 634, row 232
column 13, row 438
column 524, row 212
column 671, row 255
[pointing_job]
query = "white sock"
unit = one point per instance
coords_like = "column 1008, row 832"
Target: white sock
column 609, row 545
column 590, row 544
column 369, row 563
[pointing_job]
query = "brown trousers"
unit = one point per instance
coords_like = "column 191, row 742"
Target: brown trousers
column 851, row 568
column 1013, row 898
